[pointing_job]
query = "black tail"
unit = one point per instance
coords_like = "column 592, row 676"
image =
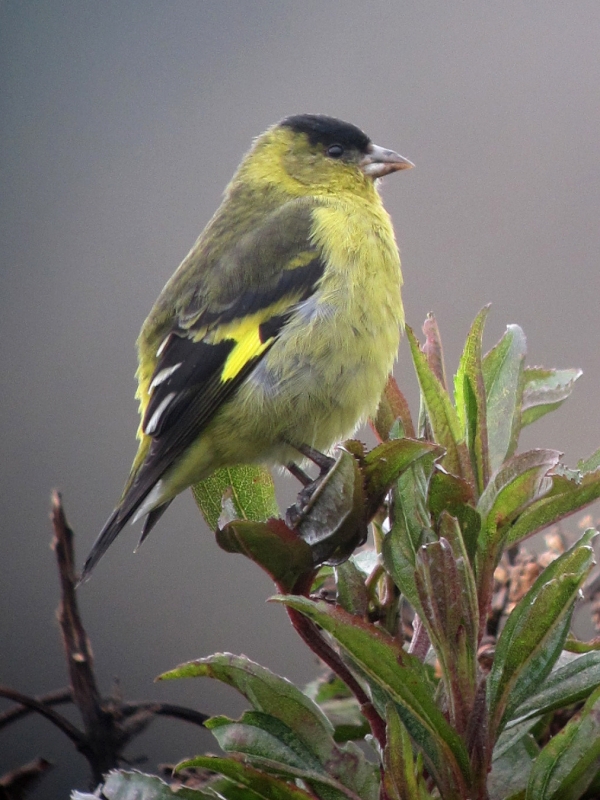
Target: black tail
column 113, row 527
column 151, row 520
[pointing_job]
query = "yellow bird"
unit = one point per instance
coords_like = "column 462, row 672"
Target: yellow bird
column 278, row 330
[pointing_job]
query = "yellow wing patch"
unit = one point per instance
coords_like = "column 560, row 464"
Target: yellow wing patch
column 246, row 333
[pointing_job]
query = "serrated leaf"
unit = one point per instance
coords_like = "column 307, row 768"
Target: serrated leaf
column 502, row 371
column 566, row 496
column 442, row 415
column 267, row 692
column 249, row 492
column 521, row 481
column 571, row 759
column 470, row 401
column 271, row 545
column 400, row 676
column 277, row 697
column 134, row 785
column 534, row 634
column 544, row 390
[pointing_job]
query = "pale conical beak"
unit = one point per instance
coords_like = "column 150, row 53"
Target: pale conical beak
column 378, row 162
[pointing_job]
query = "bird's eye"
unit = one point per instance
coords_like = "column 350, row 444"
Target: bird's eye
column 335, row 151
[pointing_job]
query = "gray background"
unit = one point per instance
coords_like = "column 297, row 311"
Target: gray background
column 121, row 123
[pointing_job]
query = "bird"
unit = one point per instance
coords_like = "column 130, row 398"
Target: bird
column 275, row 336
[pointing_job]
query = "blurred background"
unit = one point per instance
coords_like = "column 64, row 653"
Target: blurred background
column 121, row 124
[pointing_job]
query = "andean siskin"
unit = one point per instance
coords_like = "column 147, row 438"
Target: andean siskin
column 281, row 325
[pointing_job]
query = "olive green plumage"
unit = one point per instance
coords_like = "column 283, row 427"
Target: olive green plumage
column 280, row 326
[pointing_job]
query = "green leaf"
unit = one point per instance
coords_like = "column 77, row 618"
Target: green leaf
column 247, row 492
column 451, row 495
column 443, row 418
column 569, row 762
column 521, row 481
column 352, row 594
column 266, row 692
column 566, row 496
column 449, row 612
column 590, row 464
column 411, row 527
column 387, row 666
column 270, row 745
column 574, row 645
column 511, row 735
column 510, row 773
column 275, row 696
column 266, row 787
column 518, row 483
column 534, row 634
column 544, row 390
column 271, row 545
column 470, row 400
column 383, row 465
column 400, row 780
column 262, row 736
column 573, row 679
column 134, row 785
column 503, row 379
column 340, row 706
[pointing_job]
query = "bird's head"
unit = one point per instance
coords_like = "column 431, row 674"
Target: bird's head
column 315, row 154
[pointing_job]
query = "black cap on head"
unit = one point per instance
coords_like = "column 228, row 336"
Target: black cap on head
column 327, row 130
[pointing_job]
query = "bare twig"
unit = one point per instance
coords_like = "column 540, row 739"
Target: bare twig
column 14, row 785
column 55, row 698
column 103, row 740
column 75, row 735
